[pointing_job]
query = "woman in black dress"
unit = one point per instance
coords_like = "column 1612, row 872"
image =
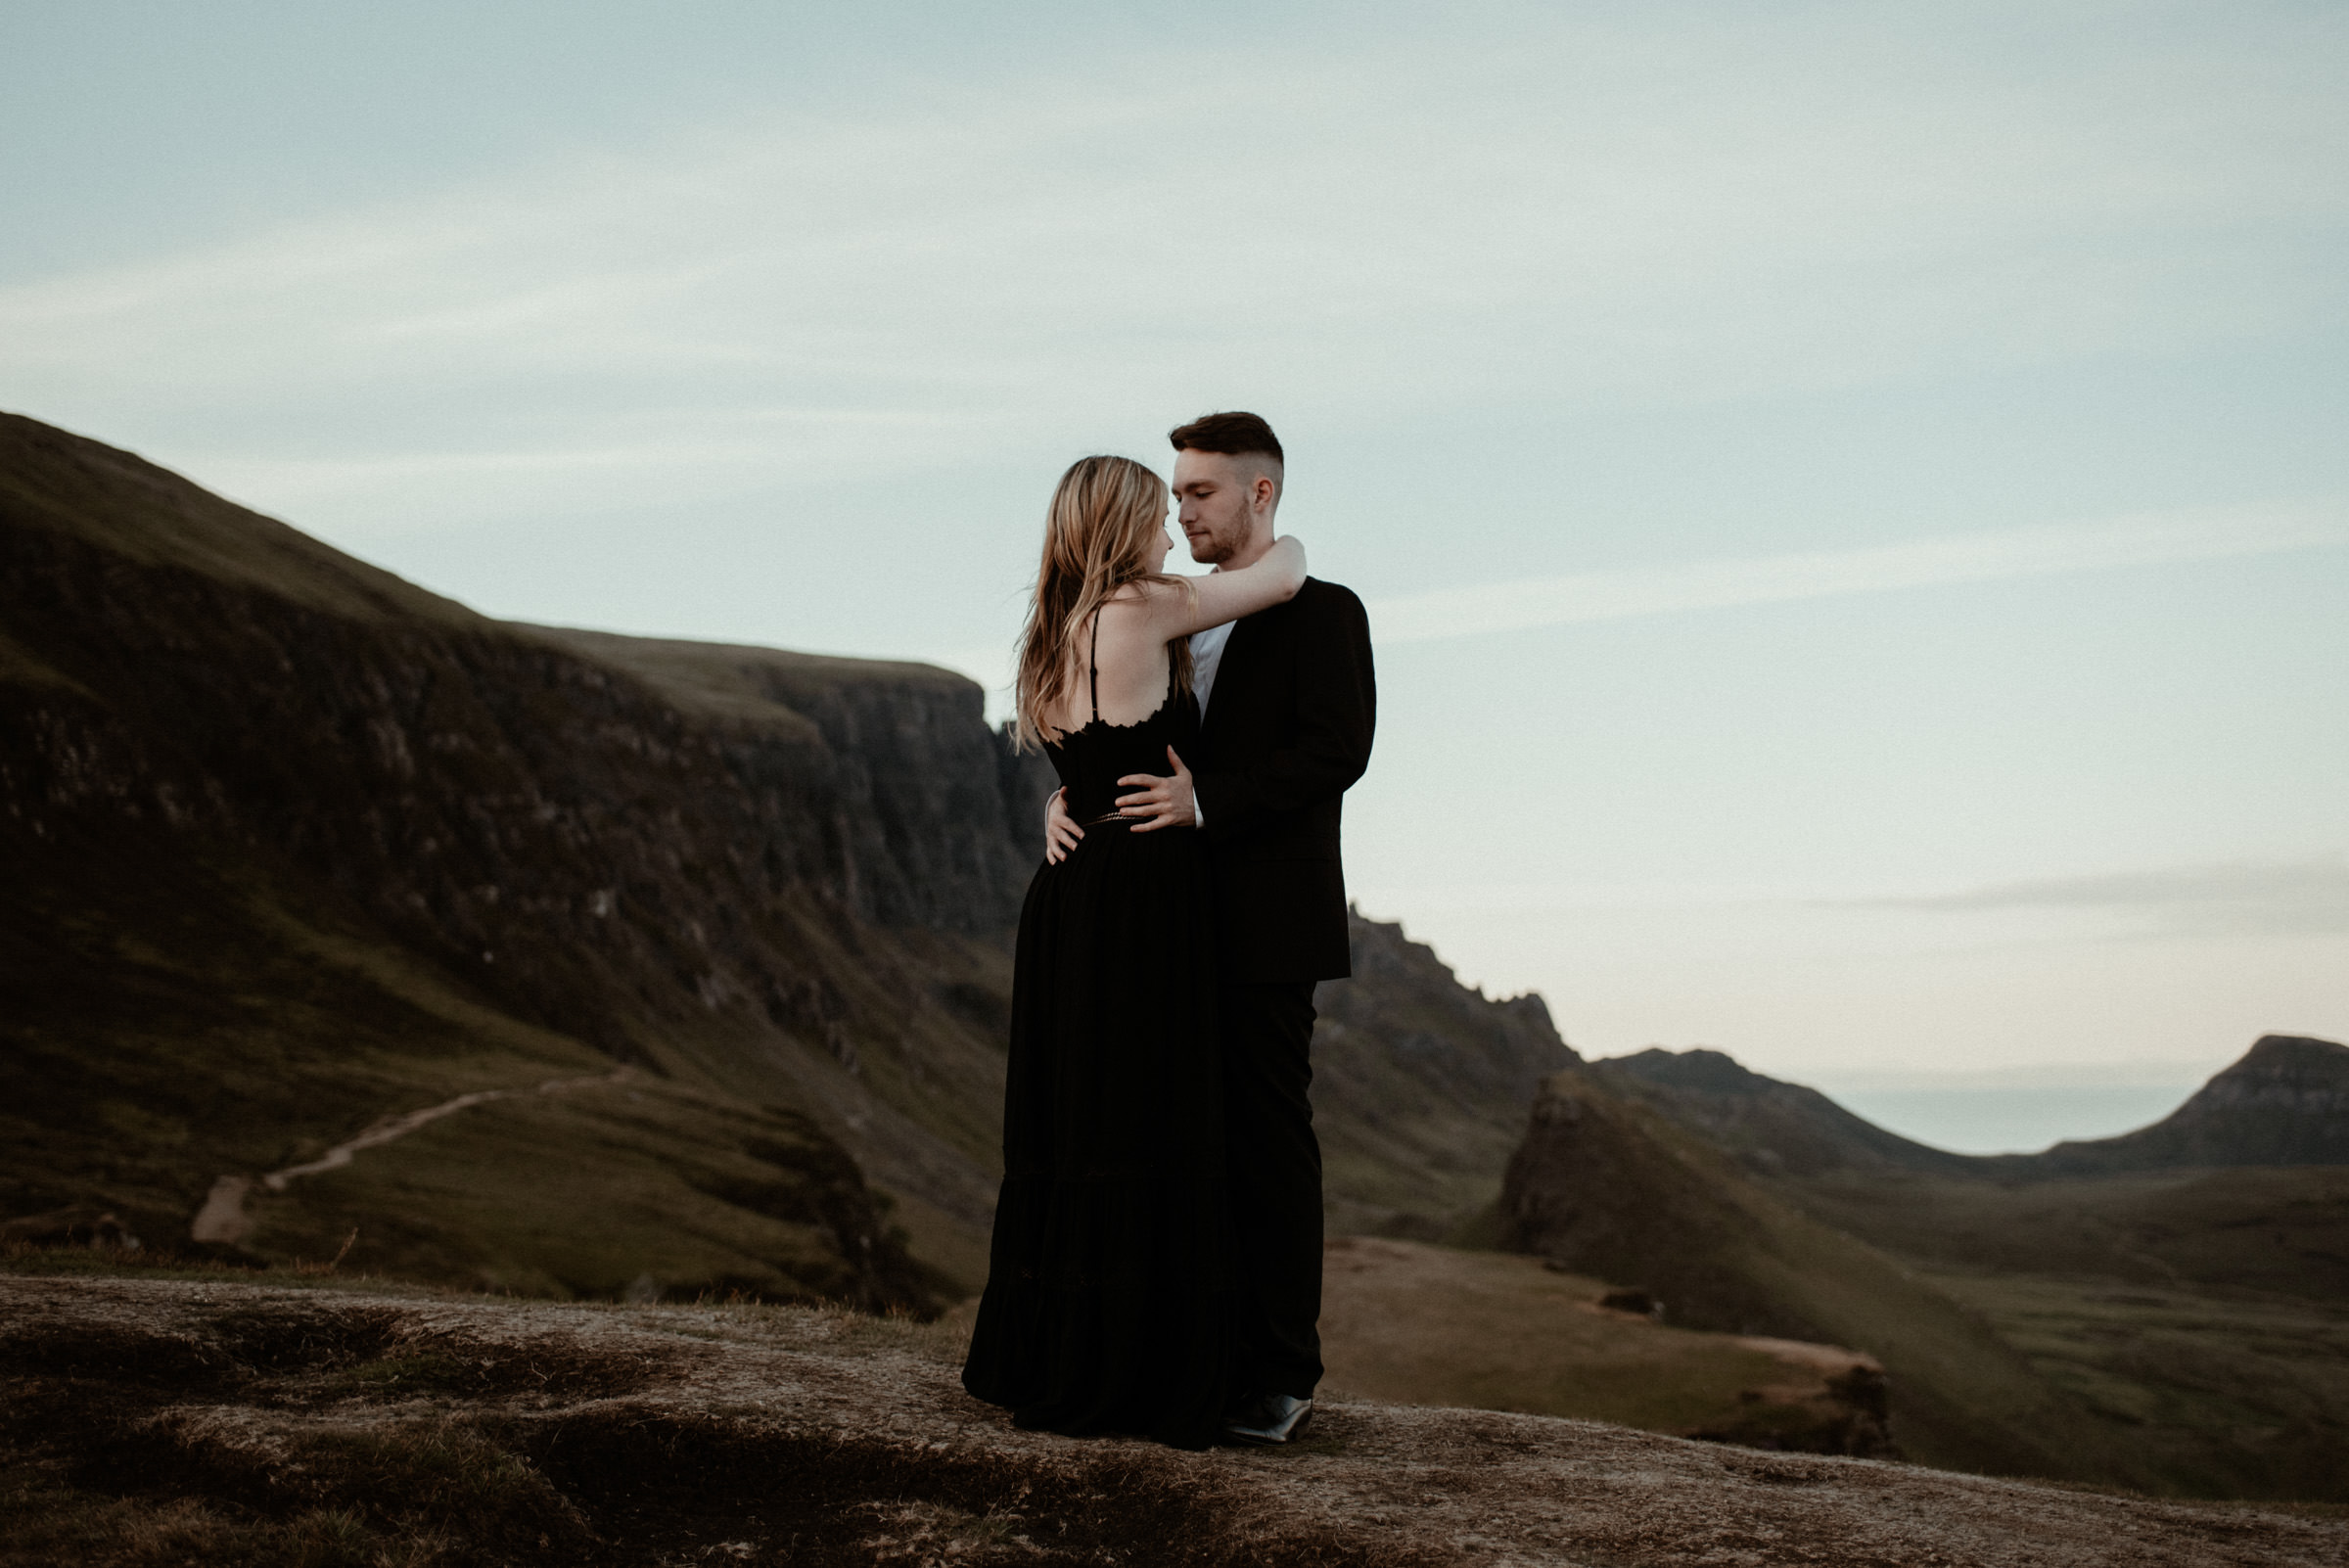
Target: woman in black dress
column 1108, row 1297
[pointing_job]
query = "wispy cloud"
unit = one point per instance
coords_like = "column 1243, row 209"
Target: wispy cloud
column 1714, row 584
column 1603, row 214
column 2307, row 895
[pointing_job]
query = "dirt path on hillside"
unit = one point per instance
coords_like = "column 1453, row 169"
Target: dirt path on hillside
column 605, row 1435
column 224, row 1220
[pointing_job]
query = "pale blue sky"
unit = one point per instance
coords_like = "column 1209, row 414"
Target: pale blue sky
column 1855, row 496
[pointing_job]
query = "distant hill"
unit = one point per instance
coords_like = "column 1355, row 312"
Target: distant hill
column 2285, row 1102
column 1775, row 1128
column 294, row 848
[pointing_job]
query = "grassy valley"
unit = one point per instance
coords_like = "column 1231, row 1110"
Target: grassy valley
column 2199, row 1314
column 2188, row 1323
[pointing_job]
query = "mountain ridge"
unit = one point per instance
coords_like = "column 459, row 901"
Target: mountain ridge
column 2285, row 1101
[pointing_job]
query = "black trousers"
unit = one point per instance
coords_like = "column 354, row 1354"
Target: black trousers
column 1276, row 1172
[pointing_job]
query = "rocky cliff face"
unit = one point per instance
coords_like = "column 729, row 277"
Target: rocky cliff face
column 926, row 816
column 549, row 823
column 706, row 883
column 1420, row 1087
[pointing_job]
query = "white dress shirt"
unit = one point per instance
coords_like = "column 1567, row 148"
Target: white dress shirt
column 1206, row 654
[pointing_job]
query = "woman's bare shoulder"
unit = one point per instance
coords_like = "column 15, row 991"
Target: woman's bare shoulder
column 1145, row 598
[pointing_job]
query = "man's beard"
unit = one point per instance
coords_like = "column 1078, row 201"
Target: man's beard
column 1223, row 547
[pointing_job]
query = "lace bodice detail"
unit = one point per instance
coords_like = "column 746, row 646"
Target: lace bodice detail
column 1091, row 760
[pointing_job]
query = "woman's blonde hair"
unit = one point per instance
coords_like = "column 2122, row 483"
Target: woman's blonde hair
column 1101, row 523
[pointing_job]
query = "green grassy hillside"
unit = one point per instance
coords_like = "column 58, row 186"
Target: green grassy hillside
column 294, row 848
column 1606, row 1187
column 2272, row 1230
column 2192, row 1321
column 171, row 1022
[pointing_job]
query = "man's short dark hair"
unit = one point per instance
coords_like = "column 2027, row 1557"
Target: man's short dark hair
column 1233, row 435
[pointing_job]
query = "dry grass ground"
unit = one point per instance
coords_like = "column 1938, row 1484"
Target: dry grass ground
column 153, row 1420
column 1434, row 1325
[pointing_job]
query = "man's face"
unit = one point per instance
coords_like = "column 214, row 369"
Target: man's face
column 1213, row 491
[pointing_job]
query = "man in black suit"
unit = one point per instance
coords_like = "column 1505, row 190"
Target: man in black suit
column 1289, row 706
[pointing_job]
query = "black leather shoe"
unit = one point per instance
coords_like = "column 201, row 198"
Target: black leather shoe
column 1269, row 1422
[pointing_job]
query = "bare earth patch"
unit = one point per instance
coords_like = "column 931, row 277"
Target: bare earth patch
column 173, row 1421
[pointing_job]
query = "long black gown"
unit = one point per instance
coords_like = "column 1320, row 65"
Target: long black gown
column 1110, row 1300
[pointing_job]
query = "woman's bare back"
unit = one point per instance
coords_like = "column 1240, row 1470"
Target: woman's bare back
column 1123, row 660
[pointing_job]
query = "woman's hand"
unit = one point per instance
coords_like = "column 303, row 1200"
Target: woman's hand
column 1061, row 831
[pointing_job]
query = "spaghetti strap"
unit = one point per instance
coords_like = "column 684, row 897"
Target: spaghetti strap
column 1093, row 666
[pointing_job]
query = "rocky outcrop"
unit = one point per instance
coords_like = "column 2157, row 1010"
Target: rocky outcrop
column 1599, row 1189
column 1420, row 1085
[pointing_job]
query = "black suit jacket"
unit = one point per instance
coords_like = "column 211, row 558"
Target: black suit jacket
column 1288, row 729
